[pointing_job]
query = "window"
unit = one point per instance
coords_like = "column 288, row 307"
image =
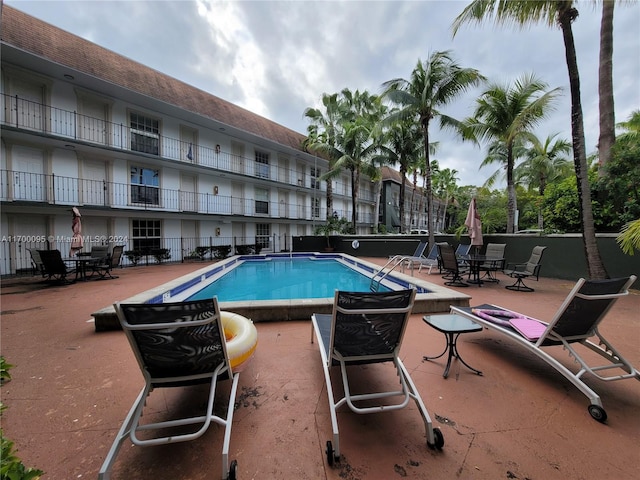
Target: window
column 262, row 201
column 315, row 178
column 146, row 235
column 316, row 208
column 263, row 232
column 145, row 186
column 262, row 165
column 145, row 134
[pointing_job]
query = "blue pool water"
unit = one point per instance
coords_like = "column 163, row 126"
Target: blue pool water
column 280, row 279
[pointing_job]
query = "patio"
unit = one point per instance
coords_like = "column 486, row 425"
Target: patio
column 72, row 387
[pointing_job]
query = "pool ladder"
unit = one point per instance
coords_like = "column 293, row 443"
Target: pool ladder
column 381, row 274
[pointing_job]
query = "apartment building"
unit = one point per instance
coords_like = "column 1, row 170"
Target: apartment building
column 149, row 161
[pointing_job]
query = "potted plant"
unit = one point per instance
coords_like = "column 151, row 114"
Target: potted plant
column 332, row 226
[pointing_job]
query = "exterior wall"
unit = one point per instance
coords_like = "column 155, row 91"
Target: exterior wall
column 69, row 143
column 564, row 257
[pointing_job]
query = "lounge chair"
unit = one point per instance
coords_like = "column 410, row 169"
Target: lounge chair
column 54, row 267
column 422, row 246
column 367, row 328
column 530, row 269
column 493, row 250
column 176, row 345
column 429, row 261
column 450, row 264
column 105, row 265
column 575, row 323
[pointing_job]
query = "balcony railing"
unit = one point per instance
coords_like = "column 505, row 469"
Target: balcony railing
column 24, row 114
column 59, row 190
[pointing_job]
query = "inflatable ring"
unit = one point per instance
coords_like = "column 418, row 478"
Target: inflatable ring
column 241, row 337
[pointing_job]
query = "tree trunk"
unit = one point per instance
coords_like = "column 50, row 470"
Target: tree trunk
column 355, row 180
column 511, row 191
column 429, row 189
column 605, row 86
column 595, row 266
column 401, row 205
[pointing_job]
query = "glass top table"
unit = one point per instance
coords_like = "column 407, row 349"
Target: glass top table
column 452, row 326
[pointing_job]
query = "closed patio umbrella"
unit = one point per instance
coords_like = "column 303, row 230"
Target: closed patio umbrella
column 474, row 225
column 77, row 242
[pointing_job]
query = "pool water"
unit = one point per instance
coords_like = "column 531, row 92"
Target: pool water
column 280, row 279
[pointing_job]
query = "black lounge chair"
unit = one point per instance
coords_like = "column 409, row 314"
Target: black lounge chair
column 177, row 345
column 575, row 323
column 367, row 328
column 520, row 271
column 54, row 267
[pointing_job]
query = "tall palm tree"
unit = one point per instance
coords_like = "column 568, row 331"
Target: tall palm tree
column 324, row 130
column 562, row 13
column 445, row 185
column 402, row 147
column 432, row 85
column 503, row 115
column 351, row 146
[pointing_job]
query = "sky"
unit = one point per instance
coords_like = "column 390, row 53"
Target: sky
column 277, row 58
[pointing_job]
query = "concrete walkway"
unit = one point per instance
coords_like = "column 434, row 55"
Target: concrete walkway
column 72, row 387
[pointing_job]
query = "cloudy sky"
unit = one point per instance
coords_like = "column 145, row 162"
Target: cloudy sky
column 277, row 58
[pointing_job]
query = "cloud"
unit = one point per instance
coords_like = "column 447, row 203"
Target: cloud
column 277, row 58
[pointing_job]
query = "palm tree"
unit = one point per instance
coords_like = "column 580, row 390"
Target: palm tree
column 432, row 85
column 323, row 130
column 562, row 13
column 544, row 163
column 445, row 185
column 504, row 115
column 631, row 126
column 402, row 149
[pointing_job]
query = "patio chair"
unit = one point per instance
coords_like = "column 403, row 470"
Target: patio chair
column 575, row 323
column 520, row 271
column 450, row 264
column 176, row 345
column 99, row 252
column 494, row 250
column 54, row 267
column 36, row 262
column 103, row 268
column 366, row 328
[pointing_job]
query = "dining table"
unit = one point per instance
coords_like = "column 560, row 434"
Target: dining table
column 475, row 262
column 82, row 265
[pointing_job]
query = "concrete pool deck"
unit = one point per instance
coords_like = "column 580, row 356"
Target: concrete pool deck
column 72, row 387
column 437, row 300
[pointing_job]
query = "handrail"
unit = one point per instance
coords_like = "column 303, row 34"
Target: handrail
column 395, row 260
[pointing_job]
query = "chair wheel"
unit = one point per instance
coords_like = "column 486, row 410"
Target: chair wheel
column 597, row 413
column 330, row 453
column 233, row 471
column 439, row 439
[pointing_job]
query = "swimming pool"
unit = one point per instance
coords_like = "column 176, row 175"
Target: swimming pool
column 430, row 298
column 282, row 278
